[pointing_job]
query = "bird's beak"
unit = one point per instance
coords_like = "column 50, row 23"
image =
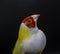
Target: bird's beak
column 36, row 16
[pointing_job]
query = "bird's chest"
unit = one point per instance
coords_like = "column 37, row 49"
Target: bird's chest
column 33, row 44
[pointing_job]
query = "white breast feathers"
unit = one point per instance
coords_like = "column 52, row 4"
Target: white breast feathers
column 35, row 43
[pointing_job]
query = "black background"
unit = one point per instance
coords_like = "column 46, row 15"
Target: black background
column 12, row 12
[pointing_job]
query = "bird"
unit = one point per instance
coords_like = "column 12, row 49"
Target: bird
column 31, row 39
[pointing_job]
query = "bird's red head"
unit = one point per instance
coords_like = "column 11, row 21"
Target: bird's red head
column 30, row 21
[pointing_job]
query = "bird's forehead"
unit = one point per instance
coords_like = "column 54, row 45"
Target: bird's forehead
column 27, row 18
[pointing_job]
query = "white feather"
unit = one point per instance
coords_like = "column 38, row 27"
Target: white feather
column 36, row 43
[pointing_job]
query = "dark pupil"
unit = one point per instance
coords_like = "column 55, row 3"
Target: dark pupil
column 29, row 21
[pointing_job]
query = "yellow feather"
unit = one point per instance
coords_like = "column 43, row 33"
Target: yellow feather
column 17, row 47
column 23, row 35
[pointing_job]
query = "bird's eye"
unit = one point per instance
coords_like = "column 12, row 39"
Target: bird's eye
column 29, row 21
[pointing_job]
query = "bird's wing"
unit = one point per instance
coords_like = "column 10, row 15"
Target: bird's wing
column 18, row 47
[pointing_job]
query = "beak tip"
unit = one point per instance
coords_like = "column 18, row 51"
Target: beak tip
column 36, row 15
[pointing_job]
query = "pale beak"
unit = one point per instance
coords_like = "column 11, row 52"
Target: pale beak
column 36, row 16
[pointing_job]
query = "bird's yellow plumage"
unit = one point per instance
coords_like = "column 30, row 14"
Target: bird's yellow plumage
column 17, row 47
column 23, row 35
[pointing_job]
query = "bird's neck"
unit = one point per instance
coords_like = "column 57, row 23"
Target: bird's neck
column 30, row 29
column 25, row 33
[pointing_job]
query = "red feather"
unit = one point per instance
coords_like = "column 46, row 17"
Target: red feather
column 30, row 25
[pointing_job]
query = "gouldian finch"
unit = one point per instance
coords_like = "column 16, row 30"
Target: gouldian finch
column 31, row 40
